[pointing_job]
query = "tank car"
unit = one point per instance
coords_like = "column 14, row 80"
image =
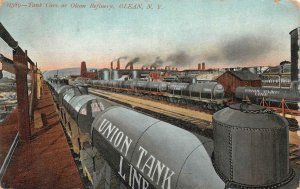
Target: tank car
column 141, row 85
column 157, row 86
column 208, row 90
column 178, row 88
column 149, row 153
column 146, row 152
column 128, row 84
column 271, row 95
column 61, row 92
column 84, row 108
column 72, row 92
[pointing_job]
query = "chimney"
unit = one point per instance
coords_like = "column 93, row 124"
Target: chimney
column 176, row 69
column 112, row 65
column 83, row 69
column 203, row 65
column 131, row 66
column 118, row 65
column 142, row 68
column 199, row 66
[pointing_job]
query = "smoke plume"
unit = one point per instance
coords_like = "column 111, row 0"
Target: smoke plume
column 133, row 61
column 122, row 57
column 157, row 63
column 240, row 50
column 180, row 58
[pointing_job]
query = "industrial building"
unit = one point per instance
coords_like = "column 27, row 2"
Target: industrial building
column 277, row 76
column 233, row 79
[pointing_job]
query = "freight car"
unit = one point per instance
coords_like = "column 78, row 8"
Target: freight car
column 271, row 96
column 143, row 152
column 208, row 95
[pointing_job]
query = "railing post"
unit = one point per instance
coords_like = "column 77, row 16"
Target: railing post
column 35, row 86
column 21, row 70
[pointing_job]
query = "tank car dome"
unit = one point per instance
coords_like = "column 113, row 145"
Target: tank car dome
column 251, row 147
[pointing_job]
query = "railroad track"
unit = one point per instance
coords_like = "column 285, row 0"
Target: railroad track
column 195, row 121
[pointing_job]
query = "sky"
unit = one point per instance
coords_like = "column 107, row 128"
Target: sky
column 177, row 33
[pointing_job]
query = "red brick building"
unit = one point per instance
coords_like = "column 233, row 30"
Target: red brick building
column 233, row 79
column 85, row 73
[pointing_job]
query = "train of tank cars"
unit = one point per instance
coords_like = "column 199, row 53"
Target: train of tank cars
column 145, row 152
column 205, row 95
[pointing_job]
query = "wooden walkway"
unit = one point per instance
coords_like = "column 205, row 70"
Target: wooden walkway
column 45, row 162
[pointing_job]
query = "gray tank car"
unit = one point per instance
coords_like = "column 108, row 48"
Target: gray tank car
column 149, row 153
column 178, row 88
column 83, row 109
column 141, row 85
column 208, row 90
column 157, row 86
column 271, row 95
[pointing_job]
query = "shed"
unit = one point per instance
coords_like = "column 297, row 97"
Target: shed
column 233, row 79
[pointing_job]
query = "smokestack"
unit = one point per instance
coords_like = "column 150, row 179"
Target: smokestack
column 118, row 65
column 83, row 69
column 199, row 66
column 112, row 65
column 176, row 69
column 131, row 66
column 295, row 54
column 203, row 65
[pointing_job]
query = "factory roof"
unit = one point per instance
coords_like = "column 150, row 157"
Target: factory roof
column 209, row 76
column 245, row 75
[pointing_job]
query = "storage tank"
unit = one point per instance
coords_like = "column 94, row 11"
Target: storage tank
column 251, row 148
column 115, row 75
column 135, row 74
column 104, row 74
